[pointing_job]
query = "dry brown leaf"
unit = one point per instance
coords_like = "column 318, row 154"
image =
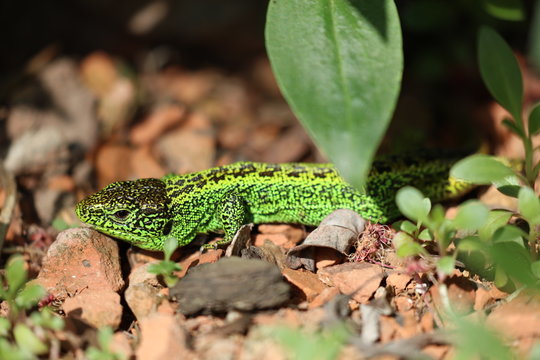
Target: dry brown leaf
column 338, row 231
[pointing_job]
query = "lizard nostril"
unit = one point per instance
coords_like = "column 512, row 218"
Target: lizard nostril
column 167, row 228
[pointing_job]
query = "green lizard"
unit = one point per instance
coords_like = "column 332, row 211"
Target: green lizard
column 145, row 212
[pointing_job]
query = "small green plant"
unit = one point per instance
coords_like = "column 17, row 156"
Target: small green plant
column 166, row 267
column 475, row 341
column 24, row 336
column 14, row 290
column 483, row 239
column 103, row 350
column 324, row 344
column 479, row 237
column 510, row 10
column 502, row 76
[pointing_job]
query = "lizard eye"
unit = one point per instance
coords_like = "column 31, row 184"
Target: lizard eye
column 121, row 214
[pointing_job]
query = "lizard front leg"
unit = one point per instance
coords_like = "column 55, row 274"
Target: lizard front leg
column 231, row 214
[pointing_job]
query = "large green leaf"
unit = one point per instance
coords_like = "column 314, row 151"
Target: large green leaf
column 534, row 120
column 495, row 220
column 471, row 215
column 412, row 203
column 406, row 246
column 529, row 205
column 500, row 71
column 511, row 10
column 339, row 65
column 27, row 340
column 475, row 340
column 30, row 295
column 481, row 169
column 446, row 265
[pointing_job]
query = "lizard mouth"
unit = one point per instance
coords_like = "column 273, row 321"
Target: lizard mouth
column 129, row 237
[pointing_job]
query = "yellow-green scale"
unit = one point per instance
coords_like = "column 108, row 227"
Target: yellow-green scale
column 290, row 193
column 145, row 212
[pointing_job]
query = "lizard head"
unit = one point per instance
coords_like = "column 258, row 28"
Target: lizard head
column 134, row 211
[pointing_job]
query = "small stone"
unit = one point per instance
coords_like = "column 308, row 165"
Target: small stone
column 493, row 198
column 211, row 256
column 211, row 347
column 398, row 281
column 156, row 123
column 427, row 322
column 162, row 338
column 324, row 297
column 166, row 307
column 288, row 147
column 97, row 307
column 143, row 293
column 81, row 259
column 99, row 72
column 277, row 239
column 403, row 303
column 189, row 148
column 113, row 164
column 262, row 137
column 388, row 328
column 275, row 228
column 325, row 257
column 259, row 346
column 482, row 299
column 268, row 252
column 264, row 77
column 231, row 283
column 306, row 281
column 437, row 351
column 497, row 294
column 116, row 106
column 461, row 292
column 359, row 279
column 233, row 135
column 410, row 326
column 121, row 344
column 189, row 87
column 61, row 183
column 283, row 235
column 82, row 267
column 518, row 318
column 138, row 257
column 145, row 165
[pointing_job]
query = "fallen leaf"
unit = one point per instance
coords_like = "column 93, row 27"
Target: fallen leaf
column 338, row 231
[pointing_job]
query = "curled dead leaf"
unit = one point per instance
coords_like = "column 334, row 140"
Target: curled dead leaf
column 338, row 231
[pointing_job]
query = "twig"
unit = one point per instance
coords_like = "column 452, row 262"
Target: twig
column 7, row 182
column 410, row 348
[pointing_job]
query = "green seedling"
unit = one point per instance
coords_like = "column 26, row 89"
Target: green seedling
column 166, row 267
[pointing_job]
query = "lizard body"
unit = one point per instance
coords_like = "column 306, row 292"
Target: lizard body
column 145, row 212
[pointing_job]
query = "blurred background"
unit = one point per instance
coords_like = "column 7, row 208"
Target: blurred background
column 95, row 91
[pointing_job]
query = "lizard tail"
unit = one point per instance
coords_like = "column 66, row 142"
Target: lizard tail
column 429, row 172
